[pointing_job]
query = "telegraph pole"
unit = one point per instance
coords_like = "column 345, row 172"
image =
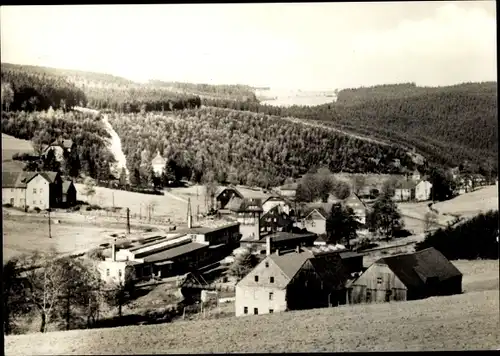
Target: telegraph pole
column 50, row 232
column 128, row 221
column 113, row 195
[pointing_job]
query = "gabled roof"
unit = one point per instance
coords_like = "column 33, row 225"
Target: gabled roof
column 158, row 160
column 66, row 184
column 278, row 209
column 21, row 179
column 290, row 263
column 243, row 205
column 219, row 191
column 321, row 211
column 405, row 184
column 415, row 268
column 249, row 193
column 289, row 186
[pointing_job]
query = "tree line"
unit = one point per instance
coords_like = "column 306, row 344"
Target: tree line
column 470, row 240
column 89, row 154
column 448, row 125
column 62, row 291
column 244, row 148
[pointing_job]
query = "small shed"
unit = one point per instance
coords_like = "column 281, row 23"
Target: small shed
column 406, row 277
column 68, row 193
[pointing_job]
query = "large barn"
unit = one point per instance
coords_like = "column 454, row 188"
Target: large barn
column 406, row 277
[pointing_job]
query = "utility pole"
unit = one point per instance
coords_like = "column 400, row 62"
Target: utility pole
column 128, row 221
column 50, row 232
column 197, row 212
column 113, row 195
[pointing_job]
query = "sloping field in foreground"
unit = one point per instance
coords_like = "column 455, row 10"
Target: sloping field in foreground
column 463, row 322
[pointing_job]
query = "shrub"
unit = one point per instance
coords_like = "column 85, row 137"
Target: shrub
column 7, row 205
column 37, row 209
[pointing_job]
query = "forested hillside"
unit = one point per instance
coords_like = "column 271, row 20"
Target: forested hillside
column 230, row 92
column 244, row 147
column 93, row 157
column 447, row 125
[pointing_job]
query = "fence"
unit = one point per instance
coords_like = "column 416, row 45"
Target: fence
column 91, row 215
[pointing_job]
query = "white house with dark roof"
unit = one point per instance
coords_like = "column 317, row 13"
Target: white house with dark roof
column 280, row 282
column 40, row 190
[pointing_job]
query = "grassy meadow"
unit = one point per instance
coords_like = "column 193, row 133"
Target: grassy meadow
column 461, row 322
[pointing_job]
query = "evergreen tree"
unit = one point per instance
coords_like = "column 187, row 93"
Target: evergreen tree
column 123, row 177
column 168, row 174
column 385, row 217
column 73, row 164
column 341, row 224
column 50, row 162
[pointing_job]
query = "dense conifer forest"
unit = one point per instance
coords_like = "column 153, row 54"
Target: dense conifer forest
column 251, row 144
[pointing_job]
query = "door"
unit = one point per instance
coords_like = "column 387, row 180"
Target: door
column 12, row 201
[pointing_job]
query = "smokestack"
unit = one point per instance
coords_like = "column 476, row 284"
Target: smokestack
column 268, row 245
column 113, row 251
column 190, row 222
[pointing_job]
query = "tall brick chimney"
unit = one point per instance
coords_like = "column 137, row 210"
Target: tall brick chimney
column 113, row 251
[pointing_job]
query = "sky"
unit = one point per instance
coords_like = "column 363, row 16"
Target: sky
column 308, row 46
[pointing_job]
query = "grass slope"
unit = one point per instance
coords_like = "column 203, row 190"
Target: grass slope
column 461, row 322
column 12, row 145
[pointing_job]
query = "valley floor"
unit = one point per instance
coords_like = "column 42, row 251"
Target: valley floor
column 463, row 322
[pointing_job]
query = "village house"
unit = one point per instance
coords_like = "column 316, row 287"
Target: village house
column 42, row 190
column 247, row 212
column 287, row 190
column 59, row 147
column 224, row 194
column 406, row 277
column 274, row 201
column 315, row 216
column 276, row 219
column 359, row 208
column 423, row 190
column 68, row 193
column 404, row 191
column 158, row 164
column 177, row 252
column 280, row 282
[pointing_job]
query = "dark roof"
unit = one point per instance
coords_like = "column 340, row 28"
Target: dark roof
column 21, row 179
column 241, row 205
column 415, row 268
column 287, row 236
column 320, row 239
column 290, row 263
column 174, row 252
column 323, row 209
column 219, row 190
column 276, row 209
column 15, row 179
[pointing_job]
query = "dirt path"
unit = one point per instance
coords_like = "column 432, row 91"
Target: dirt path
column 313, row 124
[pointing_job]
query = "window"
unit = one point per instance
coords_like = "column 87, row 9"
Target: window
column 379, row 280
column 271, row 279
column 271, row 294
column 256, row 311
column 271, row 311
column 107, row 272
column 34, row 190
column 34, row 202
column 41, row 190
column 12, row 190
column 245, row 310
column 256, row 278
column 313, row 224
column 267, row 264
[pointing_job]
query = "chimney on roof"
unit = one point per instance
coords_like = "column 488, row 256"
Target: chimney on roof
column 190, row 216
column 297, row 249
column 277, row 252
column 268, row 245
column 113, row 251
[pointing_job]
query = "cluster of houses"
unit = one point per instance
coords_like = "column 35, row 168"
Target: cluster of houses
column 299, row 270
column 38, row 190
